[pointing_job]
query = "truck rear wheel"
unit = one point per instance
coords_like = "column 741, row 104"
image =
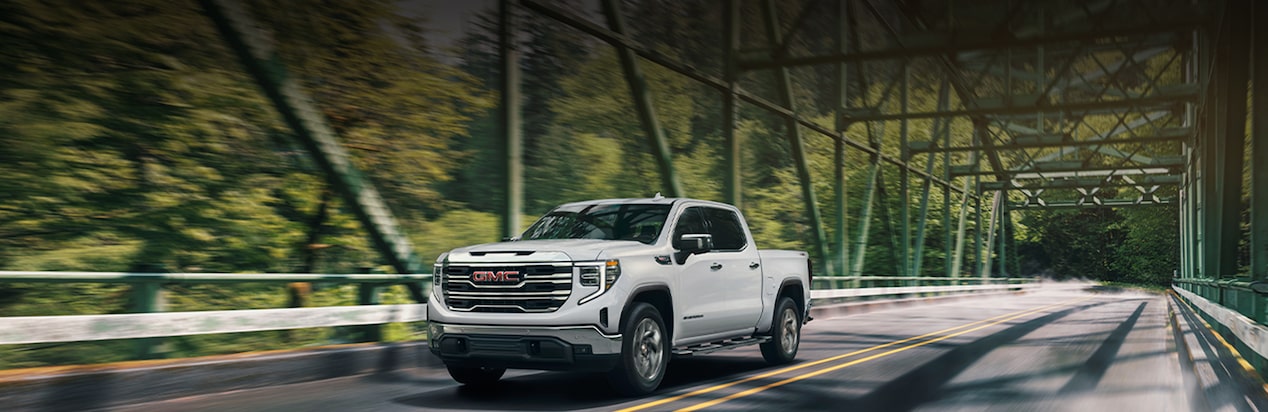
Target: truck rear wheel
column 785, row 333
column 475, row 375
column 644, row 352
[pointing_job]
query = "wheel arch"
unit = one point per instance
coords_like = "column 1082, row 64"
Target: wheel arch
column 657, row 295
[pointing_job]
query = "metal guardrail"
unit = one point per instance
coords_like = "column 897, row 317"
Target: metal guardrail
column 125, row 277
column 910, row 290
column 70, row 328
column 1235, row 294
column 1245, row 322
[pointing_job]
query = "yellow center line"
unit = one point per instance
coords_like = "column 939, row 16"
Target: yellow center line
column 752, row 391
column 819, row 362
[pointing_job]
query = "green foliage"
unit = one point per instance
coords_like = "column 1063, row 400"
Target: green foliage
column 1134, row 245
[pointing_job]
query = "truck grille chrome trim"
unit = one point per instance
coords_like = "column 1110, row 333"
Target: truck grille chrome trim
column 536, row 288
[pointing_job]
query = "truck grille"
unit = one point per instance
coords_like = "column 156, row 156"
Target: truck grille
column 542, row 288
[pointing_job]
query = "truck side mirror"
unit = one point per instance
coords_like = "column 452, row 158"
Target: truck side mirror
column 693, row 243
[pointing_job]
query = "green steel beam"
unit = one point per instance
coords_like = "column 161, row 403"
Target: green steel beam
column 512, row 129
column 936, row 130
column 841, row 256
column 955, row 44
column 146, row 297
column 894, row 248
column 1074, row 170
column 958, row 256
column 1005, row 216
column 1144, row 103
column 950, row 266
column 1209, row 155
column 904, row 183
column 1259, row 147
column 582, row 24
column 1114, row 203
column 865, row 219
column 642, row 98
column 796, row 146
column 948, row 66
column 733, row 182
column 874, row 158
column 256, row 52
column 1170, row 136
column 1147, row 180
column 990, row 235
column 1232, row 141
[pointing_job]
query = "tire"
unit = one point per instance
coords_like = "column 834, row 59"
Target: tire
column 475, row 375
column 785, row 333
column 644, row 352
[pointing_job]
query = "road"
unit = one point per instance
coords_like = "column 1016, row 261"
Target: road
column 1075, row 348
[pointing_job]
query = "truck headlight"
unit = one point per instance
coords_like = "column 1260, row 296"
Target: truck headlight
column 438, row 279
column 600, row 274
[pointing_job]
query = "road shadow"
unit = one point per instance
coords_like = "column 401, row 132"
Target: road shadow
column 926, row 382
column 565, row 391
column 1105, row 289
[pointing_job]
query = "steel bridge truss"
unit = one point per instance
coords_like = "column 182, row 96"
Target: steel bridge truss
column 1040, row 104
column 1053, row 104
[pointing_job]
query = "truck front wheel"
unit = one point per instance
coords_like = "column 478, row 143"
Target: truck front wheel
column 785, row 333
column 474, row 375
column 644, row 352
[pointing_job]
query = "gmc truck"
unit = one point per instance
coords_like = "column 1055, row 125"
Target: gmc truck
column 616, row 286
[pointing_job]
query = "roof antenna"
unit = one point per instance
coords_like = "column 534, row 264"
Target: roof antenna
column 658, row 196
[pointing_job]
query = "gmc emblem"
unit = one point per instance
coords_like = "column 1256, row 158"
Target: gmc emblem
column 501, row 276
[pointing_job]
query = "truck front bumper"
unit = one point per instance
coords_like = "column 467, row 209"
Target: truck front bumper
column 520, row 347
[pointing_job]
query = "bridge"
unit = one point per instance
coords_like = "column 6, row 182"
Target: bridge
column 916, row 116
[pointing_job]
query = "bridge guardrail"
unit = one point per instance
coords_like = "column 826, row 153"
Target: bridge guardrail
column 1235, row 307
column 71, row 328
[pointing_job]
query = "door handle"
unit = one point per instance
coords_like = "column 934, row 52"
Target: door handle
column 753, row 265
column 716, row 266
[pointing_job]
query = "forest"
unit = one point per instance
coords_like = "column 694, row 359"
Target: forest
column 131, row 139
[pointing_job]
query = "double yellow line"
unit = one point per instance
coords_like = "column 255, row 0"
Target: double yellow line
column 929, row 338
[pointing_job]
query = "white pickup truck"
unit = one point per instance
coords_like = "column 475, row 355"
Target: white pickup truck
column 617, row 286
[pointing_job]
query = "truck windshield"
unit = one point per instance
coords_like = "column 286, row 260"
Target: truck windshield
column 637, row 222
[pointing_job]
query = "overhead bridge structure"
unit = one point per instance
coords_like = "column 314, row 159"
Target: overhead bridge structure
column 1080, row 103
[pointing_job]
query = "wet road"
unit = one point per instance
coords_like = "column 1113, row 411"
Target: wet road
column 1061, row 347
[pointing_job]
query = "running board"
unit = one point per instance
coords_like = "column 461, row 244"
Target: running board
column 719, row 345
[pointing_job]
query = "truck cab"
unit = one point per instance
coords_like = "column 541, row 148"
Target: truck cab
column 618, row 286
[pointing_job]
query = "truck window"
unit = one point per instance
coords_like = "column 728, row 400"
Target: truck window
column 724, row 225
column 690, row 222
column 635, row 222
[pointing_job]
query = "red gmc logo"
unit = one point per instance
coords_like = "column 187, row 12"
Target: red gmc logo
column 501, row 276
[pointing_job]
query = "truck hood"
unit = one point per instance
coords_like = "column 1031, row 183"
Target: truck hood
column 548, row 250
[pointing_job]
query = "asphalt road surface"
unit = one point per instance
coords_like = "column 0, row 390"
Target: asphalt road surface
column 1061, row 348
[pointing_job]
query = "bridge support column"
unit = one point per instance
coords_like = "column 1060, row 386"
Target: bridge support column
column 1232, row 141
column 733, row 184
column 1259, row 148
column 147, row 297
column 840, row 184
column 368, row 294
column 512, row 130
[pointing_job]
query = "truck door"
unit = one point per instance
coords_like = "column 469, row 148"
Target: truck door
column 702, row 289
column 741, row 273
